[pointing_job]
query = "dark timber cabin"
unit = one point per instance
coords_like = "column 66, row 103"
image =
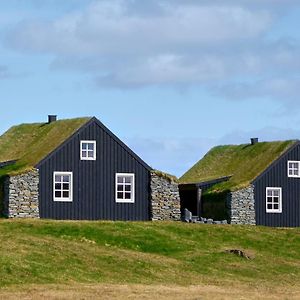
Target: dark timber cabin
column 72, row 169
column 256, row 183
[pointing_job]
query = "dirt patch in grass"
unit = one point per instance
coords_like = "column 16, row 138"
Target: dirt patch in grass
column 147, row 292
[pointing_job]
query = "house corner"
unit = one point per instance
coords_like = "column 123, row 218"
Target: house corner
column 21, row 195
column 241, row 206
column 165, row 199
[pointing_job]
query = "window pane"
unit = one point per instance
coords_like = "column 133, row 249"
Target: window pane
column 90, row 154
column 57, row 178
column 127, row 195
column 120, row 188
column 269, row 206
column 120, row 179
column 58, row 186
column 65, row 186
column 57, row 194
column 276, row 206
column 66, row 178
column 66, row 194
column 276, row 200
column 290, row 172
column 84, row 153
column 84, row 146
column 276, row 193
column 91, row 146
column 296, row 172
column 269, row 192
column 128, row 188
column 120, row 195
column 128, row 179
column 269, row 199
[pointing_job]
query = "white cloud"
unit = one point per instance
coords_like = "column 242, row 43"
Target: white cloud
column 129, row 43
column 283, row 90
column 114, row 26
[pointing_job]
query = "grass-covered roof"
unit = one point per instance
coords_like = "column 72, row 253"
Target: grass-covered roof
column 30, row 143
column 244, row 162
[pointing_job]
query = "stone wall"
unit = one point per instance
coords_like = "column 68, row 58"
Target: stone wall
column 165, row 198
column 241, row 206
column 21, row 195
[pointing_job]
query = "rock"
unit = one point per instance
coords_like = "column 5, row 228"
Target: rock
column 21, row 195
column 241, row 206
column 165, row 198
column 187, row 215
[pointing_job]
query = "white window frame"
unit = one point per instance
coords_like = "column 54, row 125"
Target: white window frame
column 272, row 210
column 81, row 150
column 288, row 168
column 63, row 199
column 123, row 200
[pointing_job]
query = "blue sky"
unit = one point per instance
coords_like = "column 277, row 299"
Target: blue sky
column 171, row 78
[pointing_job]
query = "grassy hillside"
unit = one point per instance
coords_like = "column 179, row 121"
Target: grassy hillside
column 243, row 162
column 57, row 252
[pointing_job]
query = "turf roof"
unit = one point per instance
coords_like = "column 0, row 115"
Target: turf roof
column 30, row 143
column 244, row 162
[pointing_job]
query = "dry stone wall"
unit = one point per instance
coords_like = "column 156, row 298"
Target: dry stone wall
column 241, row 206
column 165, row 200
column 21, row 198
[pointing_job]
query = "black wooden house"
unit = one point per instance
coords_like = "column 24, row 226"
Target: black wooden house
column 72, row 169
column 256, row 183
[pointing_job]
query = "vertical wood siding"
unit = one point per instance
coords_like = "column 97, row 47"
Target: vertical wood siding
column 94, row 181
column 276, row 176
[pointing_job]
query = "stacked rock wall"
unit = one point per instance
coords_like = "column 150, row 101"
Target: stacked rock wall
column 241, row 206
column 165, row 200
column 21, row 195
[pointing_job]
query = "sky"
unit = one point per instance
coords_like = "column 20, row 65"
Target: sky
column 170, row 78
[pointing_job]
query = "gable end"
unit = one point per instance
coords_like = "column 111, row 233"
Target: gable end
column 105, row 129
column 275, row 162
column 122, row 144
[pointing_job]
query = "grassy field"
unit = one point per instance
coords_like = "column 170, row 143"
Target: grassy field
column 174, row 259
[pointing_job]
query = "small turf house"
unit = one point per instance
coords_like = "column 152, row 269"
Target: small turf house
column 78, row 169
column 257, row 183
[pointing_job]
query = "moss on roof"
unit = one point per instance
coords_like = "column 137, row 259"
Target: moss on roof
column 164, row 175
column 30, row 143
column 244, row 162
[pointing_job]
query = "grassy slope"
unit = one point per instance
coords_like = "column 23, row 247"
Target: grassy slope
column 244, row 162
column 44, row 252
column 31, row 142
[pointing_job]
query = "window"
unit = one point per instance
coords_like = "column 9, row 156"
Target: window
column 273, row 200
column 62, row 186
column 293, row 168
column 124, row 188
column 88, row 150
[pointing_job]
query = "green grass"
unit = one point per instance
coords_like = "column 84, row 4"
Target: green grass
column 43, row 252
column 30, row 143
column 169, row 177
column 243, row 162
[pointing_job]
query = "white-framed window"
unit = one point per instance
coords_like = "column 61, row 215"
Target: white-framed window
column 62, row 186
column 125, row 188
column 273, row 200
column 293, row 168
column 88, row 150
